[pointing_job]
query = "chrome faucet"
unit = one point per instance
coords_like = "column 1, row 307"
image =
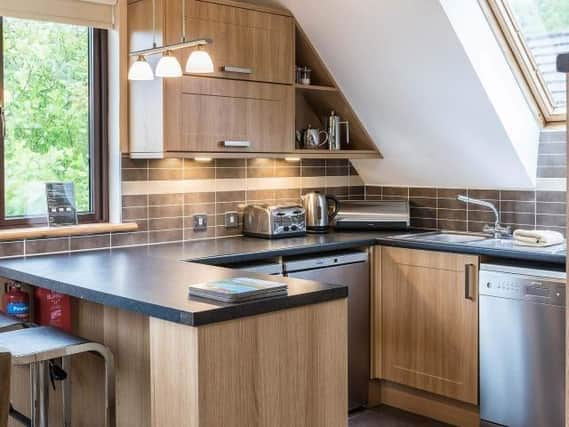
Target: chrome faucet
column 497, row 230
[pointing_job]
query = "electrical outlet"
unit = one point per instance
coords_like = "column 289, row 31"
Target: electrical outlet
column 231, row 219
column 200, row 222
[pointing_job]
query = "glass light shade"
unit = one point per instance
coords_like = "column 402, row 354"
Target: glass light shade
column 140, row 70
column 199, row 62
column 168, row 66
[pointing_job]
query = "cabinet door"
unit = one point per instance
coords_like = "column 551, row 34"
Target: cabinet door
column 258, row 45
column 203, row 113
column 430, row 321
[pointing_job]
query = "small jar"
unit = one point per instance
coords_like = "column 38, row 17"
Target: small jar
column 303, row 75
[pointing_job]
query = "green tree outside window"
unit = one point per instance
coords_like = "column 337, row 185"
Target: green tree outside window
column 46, row 97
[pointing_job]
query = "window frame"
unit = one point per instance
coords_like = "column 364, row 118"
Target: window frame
column 522, row 61
column 98, row 137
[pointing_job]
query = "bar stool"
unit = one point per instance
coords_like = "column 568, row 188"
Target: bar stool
column 36, row 347
column 5, row 368
column 9, row 323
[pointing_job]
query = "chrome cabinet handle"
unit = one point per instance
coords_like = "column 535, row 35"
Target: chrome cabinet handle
column 468, row 276
column 237, row 144
column 235, row 69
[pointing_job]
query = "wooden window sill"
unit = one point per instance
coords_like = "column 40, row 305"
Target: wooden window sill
column 73, row 230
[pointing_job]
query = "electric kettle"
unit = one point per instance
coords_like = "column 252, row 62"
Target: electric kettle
column 319, row 212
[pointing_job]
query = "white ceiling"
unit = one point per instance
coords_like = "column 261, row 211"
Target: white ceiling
column 432, row 87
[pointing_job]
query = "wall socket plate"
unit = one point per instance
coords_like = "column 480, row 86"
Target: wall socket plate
column 231, row 219
column 200, row 222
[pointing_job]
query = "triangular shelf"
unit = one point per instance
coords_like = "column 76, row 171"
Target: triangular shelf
column 313, row 103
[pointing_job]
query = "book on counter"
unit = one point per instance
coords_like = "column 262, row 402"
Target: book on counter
column 238, row 289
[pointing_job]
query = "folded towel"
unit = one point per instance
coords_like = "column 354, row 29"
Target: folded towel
column 539, row 238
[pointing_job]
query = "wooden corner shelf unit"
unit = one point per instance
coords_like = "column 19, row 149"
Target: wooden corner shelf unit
column 314, row 102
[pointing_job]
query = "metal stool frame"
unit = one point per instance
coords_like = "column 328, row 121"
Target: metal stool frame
column 39, row 379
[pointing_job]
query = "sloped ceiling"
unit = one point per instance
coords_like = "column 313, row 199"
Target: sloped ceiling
column 433, row 88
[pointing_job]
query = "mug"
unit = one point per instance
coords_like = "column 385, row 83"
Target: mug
column 312, row 138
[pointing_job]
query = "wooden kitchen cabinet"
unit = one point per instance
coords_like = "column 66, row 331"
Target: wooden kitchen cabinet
column 428, row 312
column 203, row 113
column 256, row 43
column 256, row 101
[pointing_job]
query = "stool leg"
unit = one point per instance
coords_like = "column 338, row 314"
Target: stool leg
column 66, row 391
column 110, row 389
column 34, row 400
column 43, row 385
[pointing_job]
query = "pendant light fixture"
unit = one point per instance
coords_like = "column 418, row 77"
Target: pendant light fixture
column 140, row 70
column 198, row 62
column 168, row 66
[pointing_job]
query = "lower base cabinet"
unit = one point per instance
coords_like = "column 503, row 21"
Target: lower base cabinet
column 426, row 318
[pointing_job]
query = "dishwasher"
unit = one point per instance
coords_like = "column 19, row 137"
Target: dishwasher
column 352, row 270
column 522, row 346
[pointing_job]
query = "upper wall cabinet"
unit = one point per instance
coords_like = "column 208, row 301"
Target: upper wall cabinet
column 225, row 116
column 250, row 104
column 247, row 44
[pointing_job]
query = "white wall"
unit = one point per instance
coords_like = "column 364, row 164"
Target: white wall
column 432, row 87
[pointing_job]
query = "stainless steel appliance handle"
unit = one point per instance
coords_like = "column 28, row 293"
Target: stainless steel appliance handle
column 468, row 280
column 235, row 69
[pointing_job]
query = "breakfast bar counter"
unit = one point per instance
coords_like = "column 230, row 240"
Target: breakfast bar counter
column 184, row 361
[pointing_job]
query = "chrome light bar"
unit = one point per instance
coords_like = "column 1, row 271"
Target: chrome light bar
column 170, row 47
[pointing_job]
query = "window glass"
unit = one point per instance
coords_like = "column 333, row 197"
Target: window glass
column 544, row 28
column 47, row 113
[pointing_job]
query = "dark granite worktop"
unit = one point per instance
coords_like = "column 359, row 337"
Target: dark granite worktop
column 154, row 280
column 157, row 287
column 241, row 249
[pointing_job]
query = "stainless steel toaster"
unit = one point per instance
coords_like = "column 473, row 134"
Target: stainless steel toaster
column 270, row 221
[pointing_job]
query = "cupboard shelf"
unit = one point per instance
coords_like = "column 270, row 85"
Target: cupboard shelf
column 317, row 88
column 340, row 154
column 300, row 153
column 314, row 103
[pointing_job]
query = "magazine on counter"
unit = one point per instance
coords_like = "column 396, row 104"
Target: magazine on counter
column 238, row 289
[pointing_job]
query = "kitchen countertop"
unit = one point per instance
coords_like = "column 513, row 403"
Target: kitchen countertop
column 241, row 249
column 156, row 287
column 154, row 280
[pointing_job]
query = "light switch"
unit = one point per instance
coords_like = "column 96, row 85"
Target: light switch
column 200, row 222
column 231, row 219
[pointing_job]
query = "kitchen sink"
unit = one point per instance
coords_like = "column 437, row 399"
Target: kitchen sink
column 511, row 245
column 445, row 237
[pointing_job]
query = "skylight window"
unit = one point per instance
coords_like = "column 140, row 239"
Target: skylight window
column 537, row 31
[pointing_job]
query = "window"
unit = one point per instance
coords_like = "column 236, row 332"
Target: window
column 53, row 92
column 536, row 31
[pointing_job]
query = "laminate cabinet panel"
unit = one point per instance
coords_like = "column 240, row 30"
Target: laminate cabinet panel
column 282, row 369
column 259, row 41
column 429, row 313
column 211, row 111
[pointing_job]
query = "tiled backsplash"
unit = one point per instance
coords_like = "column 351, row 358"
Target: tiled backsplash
column 437, row 208
column 433, row 208
column 552, row 155
column 163, row 195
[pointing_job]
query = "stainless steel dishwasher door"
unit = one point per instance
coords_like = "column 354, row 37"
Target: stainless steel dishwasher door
column 522, row 349
column 352, row 270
